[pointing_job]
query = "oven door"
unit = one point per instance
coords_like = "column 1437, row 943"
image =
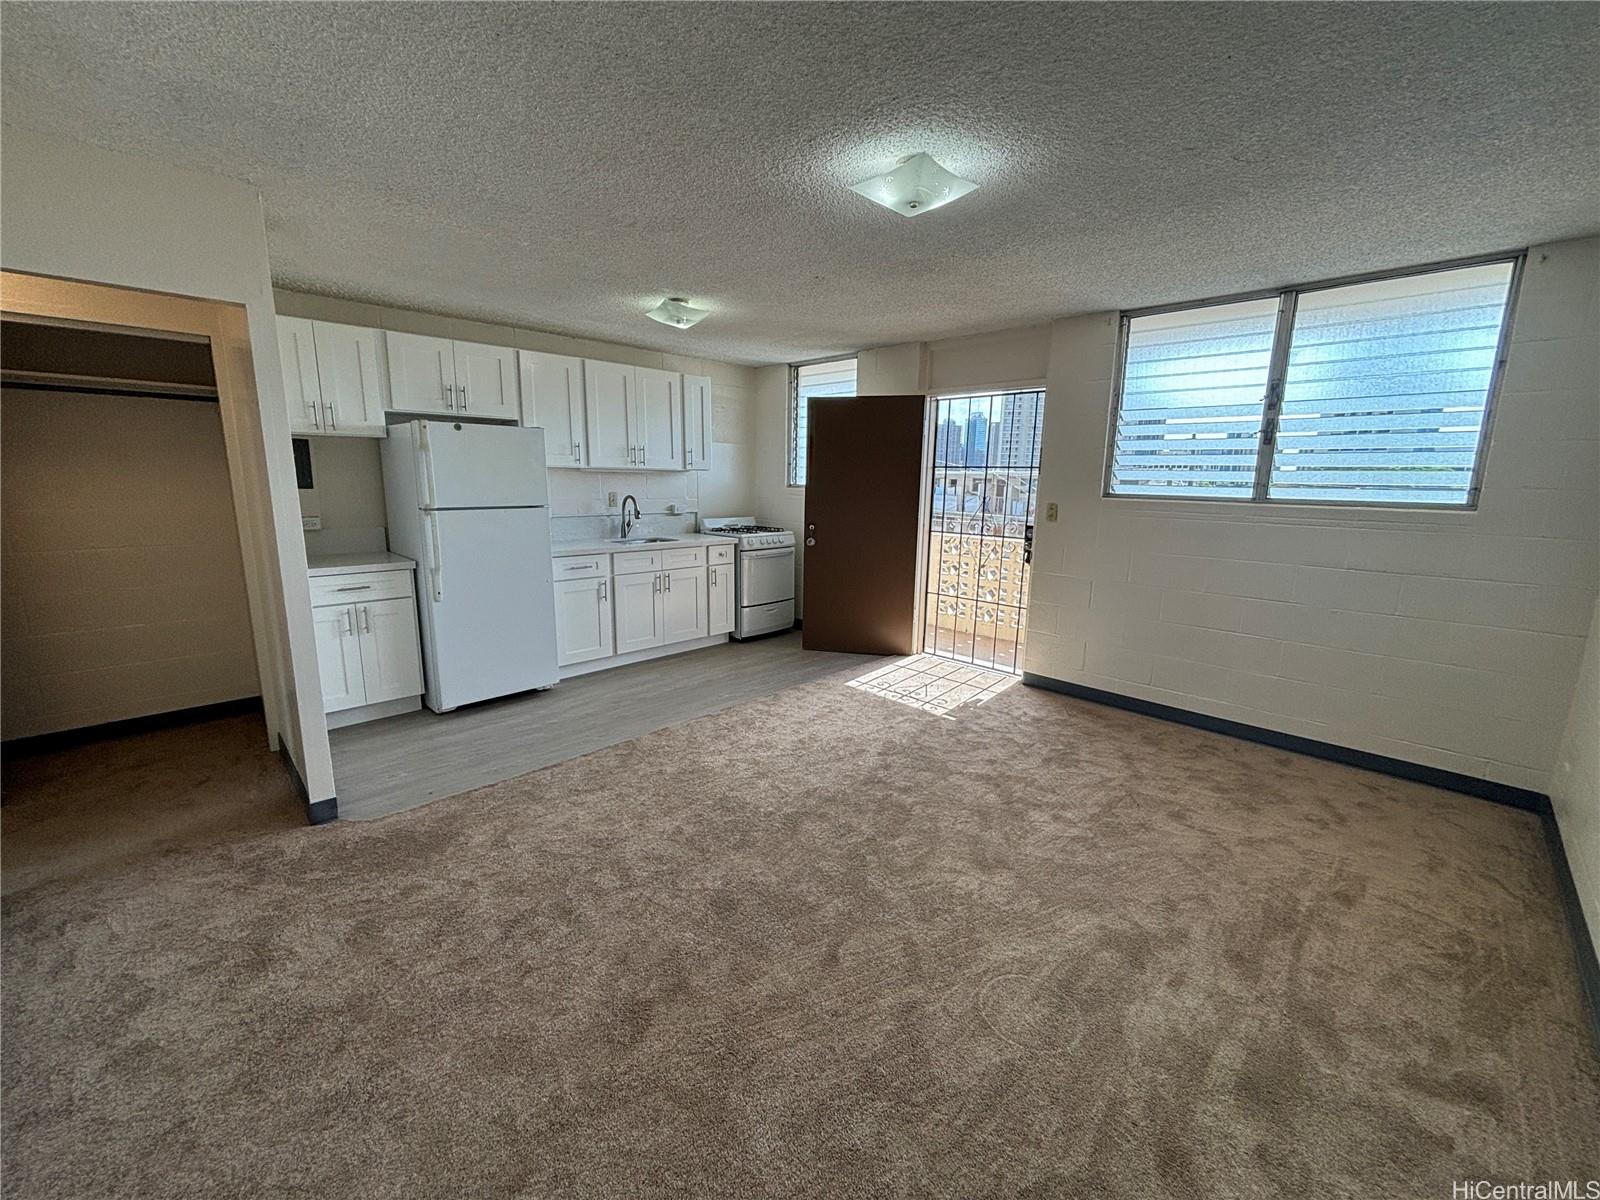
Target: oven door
column 766, row 576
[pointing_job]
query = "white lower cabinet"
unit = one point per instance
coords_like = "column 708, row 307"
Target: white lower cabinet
column 719, row 598
column 683, row 604
column 367, row 649
column 338, row 657
column 583, row 620
column 612, row 605
column 391, row 664
column 638, row 609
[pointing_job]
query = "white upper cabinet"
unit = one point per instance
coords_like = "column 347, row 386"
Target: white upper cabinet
column 659, row 438
column 552, row 399
column 434, row 376
column 610, row 396
column 486, row 381
column 333, row 377
column 422, row 373
column 297, row 354
column 354, row 383
column 697, row 422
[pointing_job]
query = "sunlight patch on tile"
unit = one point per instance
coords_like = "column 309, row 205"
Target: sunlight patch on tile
column 935, row 685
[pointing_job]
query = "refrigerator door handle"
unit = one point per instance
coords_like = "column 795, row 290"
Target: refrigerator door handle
column 425, row 484
column 436, row 557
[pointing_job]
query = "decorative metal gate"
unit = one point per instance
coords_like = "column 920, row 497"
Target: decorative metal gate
column 983, row 488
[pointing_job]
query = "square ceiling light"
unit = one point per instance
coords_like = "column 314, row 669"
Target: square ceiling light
column 677, row 312
column 916, row 185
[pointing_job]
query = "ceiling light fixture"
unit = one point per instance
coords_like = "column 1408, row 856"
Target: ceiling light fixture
column 915, row 185
column 676, row 311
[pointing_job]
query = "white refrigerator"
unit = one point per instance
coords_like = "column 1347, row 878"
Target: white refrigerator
column 471, row 504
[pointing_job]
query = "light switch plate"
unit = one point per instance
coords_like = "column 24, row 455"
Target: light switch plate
column 611, row 499
column 310, row 522
column 1050, row 512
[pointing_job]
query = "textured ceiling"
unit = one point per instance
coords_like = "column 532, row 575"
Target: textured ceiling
column 564, row 166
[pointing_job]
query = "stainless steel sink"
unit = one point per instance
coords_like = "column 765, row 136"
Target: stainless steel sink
column 638, row 541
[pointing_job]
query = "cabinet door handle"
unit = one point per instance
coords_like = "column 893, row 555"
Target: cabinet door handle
column 713, row 577
column 463, row 390
column 602, row 589
column 333, row 417
column 576, row 455
column 655, row 584
column 690, row 451
column 366, row 619
column 450, row 396
column 668, row 578
column 349, row 622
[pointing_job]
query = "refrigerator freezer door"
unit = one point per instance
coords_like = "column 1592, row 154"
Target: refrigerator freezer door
column 488, row 604
column 481, row 466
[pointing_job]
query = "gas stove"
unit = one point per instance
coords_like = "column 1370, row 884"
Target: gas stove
column 750, row 535
column 763, row 574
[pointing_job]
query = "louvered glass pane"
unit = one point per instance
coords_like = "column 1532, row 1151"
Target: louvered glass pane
column 1192, row 386
column 837, row 378
column 1386, row 388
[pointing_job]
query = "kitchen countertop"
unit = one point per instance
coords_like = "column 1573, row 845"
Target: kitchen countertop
column 350, row 564
column 606, row 546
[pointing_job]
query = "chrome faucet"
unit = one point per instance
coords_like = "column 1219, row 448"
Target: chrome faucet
column 626, row 523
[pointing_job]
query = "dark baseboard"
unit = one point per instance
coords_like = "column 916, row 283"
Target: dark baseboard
column 1583, row 946
column 318, row 812
column 1454, row 781
column 68, row 739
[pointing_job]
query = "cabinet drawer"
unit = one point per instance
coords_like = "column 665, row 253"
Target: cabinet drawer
column 684, row 556
column 721, row 553
column 635, row 563
column 352, row 589
column 581, row 566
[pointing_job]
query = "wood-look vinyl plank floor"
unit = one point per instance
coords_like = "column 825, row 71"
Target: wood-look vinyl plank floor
column 388, row 766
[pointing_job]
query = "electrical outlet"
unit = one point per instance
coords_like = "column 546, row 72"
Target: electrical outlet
column 310, row 522
column 611, row 499
column 1050, row 512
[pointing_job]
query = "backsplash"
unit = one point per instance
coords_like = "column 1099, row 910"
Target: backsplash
column 584, row 529
column 588, row 493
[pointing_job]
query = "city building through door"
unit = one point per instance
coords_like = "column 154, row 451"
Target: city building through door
column 982, row 491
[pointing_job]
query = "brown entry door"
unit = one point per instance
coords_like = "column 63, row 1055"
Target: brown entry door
column 863, row 499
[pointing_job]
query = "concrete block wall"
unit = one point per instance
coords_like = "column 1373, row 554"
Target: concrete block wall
column 1451, row 639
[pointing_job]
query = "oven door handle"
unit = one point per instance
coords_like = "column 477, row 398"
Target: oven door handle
column 766, row 553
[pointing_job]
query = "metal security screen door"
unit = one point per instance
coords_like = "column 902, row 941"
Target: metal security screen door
column 982, row 492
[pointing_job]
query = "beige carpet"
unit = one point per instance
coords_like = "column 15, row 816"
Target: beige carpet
column 1043, row 949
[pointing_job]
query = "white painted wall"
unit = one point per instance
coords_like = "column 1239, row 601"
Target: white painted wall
column 1575, row 782
column 123, row 589
column 88, row 214
column 729, row 487
column 1450, row 639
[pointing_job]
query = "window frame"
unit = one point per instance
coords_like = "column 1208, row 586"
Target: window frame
column 1277, row 371
column 793, row 412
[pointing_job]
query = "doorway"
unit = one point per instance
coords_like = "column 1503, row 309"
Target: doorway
column 981, row 497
